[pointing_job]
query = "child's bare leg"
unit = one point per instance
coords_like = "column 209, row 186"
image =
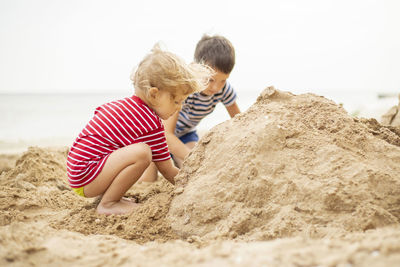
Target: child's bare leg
column 112, row 202
column 191, row 145
column 150, row 174
column 121, row 170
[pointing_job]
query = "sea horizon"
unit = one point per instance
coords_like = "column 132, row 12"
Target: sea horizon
column 55, row 119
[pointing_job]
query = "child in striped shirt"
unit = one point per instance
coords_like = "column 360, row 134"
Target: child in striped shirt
column 125, row 136
column 218, row 53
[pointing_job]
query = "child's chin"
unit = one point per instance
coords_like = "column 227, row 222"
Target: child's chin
column 165, row 117
column 206, row 93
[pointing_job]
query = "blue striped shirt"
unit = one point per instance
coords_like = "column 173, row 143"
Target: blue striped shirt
column 197, row 106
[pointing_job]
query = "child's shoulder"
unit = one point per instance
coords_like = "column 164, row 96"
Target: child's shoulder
column 228, row 88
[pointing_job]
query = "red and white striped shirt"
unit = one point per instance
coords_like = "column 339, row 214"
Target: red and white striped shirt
column 114, row 125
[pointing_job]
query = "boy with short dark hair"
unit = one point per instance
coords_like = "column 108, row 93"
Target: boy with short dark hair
column 218, row 53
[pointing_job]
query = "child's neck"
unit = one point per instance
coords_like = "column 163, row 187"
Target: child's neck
column 143, row 97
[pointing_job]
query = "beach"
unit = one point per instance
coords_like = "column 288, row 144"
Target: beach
column 294, row 180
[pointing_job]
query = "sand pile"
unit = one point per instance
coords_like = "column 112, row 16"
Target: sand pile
column 291, row 165
column 39, row 182
column 7, row 161
column 321, row 186
column 34, row 184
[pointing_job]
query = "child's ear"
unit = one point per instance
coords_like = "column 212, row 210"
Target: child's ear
column 153, row 92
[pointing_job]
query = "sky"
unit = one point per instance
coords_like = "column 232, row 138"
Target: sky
column 84, row 46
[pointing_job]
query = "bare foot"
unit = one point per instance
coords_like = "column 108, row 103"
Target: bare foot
column 130, row 200
column 119, row 207
column 148, row 179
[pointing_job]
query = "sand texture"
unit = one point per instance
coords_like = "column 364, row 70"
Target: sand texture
column 293, row 181
column 392, row 116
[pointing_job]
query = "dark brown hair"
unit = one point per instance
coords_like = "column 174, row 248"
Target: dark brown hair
column 217, row 52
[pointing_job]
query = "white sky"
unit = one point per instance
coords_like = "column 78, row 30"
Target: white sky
column 87, row 46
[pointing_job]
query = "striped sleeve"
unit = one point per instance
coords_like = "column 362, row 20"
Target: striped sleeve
column 228, row 95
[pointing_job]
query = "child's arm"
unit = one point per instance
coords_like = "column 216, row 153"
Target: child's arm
column 177, row 148
column 233, row 109
column 167, row 169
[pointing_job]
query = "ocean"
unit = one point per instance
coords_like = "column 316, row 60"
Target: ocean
column 56, row 119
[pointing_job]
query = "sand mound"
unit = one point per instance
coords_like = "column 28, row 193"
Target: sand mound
column 291, row 165
column 7, row 162
column 37, row 189
column 34, row 184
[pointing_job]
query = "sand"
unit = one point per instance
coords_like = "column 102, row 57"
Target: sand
column 392, row 116
column 293, row 181
column 7, row 161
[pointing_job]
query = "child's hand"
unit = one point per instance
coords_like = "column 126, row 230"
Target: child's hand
column 167, row 169
column 172, row 181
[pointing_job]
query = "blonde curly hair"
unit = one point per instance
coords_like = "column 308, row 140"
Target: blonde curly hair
column 167, row 71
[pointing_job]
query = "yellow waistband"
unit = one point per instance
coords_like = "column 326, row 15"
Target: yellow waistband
column 79, row 191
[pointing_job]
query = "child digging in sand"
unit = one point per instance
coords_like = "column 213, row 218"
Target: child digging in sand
column 218, row 53
column 125, row 136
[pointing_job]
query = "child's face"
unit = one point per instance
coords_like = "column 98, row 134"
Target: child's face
column 217, row 82
column 167, row 105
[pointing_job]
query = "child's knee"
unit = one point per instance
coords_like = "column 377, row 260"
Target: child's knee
column 138, row 154
column 144, row 153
